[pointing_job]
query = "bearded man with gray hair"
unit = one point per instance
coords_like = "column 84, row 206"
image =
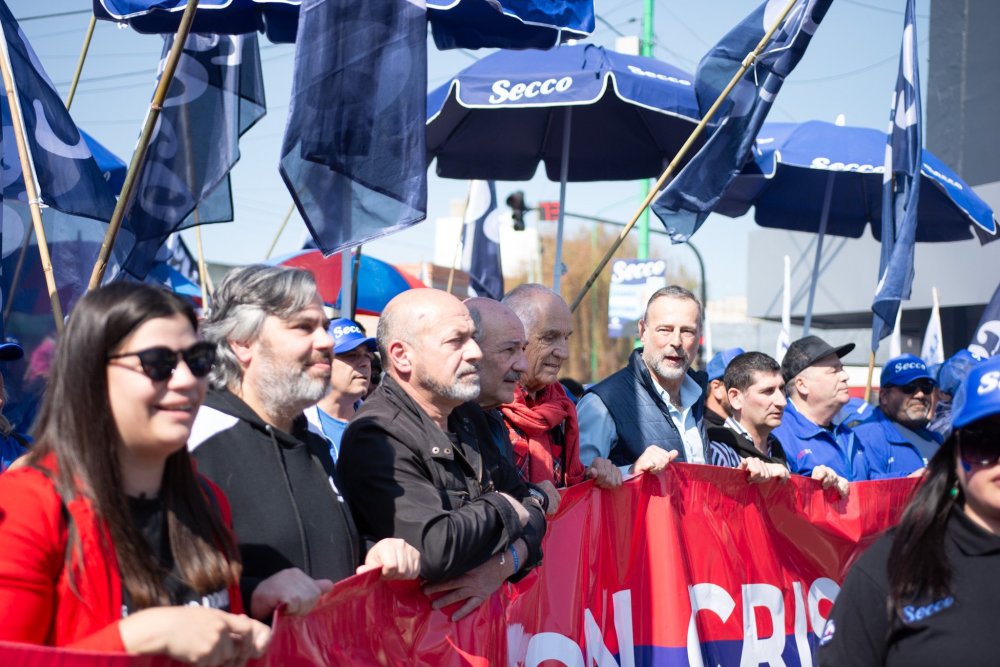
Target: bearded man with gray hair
column 251, row 438
column 416, row 463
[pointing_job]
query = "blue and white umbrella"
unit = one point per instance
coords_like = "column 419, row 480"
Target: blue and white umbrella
column 110, row 164
column 588, row 113
column 467, row 24
column 827, row 178
column 795, row 164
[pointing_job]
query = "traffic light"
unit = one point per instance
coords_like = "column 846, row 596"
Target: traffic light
column 517, row 209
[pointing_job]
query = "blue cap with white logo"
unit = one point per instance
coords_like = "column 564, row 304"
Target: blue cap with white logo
column 904, row 369
column 347, row 335
column 717, row 366
column 979, row 395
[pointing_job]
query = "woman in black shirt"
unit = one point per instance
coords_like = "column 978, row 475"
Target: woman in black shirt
column 928, row 593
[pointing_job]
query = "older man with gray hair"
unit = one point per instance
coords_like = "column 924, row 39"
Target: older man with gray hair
column 250, row 437
column 416, row 461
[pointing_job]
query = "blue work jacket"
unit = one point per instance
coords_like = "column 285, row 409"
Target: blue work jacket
column 808, row 445
column 887, row 452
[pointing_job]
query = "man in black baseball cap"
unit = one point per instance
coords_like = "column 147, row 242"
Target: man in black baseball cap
column 817, row 388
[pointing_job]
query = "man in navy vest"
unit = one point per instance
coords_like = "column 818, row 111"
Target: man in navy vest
column 650, row 412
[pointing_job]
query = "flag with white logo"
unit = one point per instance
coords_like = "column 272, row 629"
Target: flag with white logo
column 354, row 154
column 785, row 335
column 932, row 350
column 986, row 341
column 216, row 95
column 900, row 188
column 481, row 240
column 688, row 199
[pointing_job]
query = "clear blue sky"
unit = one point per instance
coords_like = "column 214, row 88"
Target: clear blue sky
column 850, row 68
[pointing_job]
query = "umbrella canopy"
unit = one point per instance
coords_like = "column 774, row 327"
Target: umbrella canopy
column 109, row 163
column 498, row 118
column 466, row 24
column 378, row 281
column 795, row 163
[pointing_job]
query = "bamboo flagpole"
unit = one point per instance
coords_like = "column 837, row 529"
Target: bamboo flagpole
column 139, row 156
column 460, row 243
column 28, row 173
column 281, row 229
column 79, row 64
column 682, row 153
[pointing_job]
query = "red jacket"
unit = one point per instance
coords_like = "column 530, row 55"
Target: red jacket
column 37, row 604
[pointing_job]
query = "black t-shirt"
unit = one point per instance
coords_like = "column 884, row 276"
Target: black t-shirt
column 151, row 521
column 956, row 629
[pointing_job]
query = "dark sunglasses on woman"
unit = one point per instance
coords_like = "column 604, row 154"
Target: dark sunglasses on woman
column 159, row 363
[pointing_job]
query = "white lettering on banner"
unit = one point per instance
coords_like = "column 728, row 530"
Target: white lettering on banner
column 987, row 340
column 628, row 271
column 504, row 91
column 825, row 163
column 944, row 177
column 704, row 597
column 656, row 75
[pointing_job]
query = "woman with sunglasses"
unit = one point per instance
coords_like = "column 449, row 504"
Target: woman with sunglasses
column 928, row 592
column 109, row 540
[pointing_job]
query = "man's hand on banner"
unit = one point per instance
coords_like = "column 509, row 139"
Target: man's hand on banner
column 477, row 585
column 291, row 589
column 395, row 557
column 605, row 474
column 655, row 459
column 831, row 479
column 760, row 471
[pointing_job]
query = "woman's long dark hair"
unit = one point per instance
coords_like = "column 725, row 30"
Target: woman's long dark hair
column 77, row 427
column 919, row 564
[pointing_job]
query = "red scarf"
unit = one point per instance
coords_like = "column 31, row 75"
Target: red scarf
column 531, row 423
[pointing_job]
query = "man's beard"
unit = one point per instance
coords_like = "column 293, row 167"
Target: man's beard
column 460, row 389
column 287, row 389
column 661, row 369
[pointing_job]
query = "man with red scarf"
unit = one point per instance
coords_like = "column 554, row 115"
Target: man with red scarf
column 542, row 418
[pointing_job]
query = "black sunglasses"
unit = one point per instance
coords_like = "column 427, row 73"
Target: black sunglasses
column 978, row 447
column 925, row 386
column 159, row 363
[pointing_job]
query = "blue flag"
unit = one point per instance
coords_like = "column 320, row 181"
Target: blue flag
column 688, row 199
column 481, row 240
column 986, row 341
column 900, row 188
column 354, row 156
column 216, row 95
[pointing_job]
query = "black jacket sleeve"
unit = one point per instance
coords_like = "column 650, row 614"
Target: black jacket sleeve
column 392, row 492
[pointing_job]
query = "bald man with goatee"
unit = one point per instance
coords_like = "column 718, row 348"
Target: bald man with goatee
column 412, row 464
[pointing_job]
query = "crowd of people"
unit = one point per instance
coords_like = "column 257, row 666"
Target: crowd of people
column 197, row 488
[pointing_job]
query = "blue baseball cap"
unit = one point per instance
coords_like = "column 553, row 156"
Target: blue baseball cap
column 347, row 335
column 904, row 369
column 717, row 366
column 979, row 395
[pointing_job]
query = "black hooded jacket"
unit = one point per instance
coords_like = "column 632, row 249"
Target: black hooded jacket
column 286, row 509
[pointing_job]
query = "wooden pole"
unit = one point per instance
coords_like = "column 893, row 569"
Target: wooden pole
column 139, row 156
column 202, row 270
column 682, row 153
column 79, row 64
column 871, row 371
column 281, row 229
column 28, row 173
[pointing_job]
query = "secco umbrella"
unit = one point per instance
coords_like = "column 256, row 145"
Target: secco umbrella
column 465, row 24
column 378, row 282
column 587, row 113
column 826, row 178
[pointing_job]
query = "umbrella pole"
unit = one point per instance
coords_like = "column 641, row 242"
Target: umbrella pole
column 79, row 63
column 30, row 190
column 824, row 220
column 139, row 156
column 281, row 229
column 355, row 269
column 346, row 274
column 460, row 244
column 682, row 153
column 557, row 268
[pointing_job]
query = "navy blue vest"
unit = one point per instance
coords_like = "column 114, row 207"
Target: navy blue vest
column 640, row 415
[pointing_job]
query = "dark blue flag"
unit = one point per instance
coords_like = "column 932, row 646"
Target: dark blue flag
column 690, row 196
column 216, row 95
column 986, row 341
column 354, row 153
column 900, row 188
column 481, row 240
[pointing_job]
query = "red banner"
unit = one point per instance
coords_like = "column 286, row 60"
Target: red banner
column 692, row 566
